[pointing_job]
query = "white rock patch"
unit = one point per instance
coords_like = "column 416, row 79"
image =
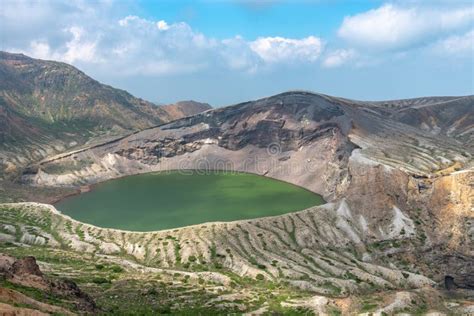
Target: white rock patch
column 400, row 223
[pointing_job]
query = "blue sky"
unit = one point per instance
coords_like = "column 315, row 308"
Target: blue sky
column 225, row 52
column 223, row 19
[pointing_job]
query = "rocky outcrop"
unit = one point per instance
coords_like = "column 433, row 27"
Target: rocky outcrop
column 26, row 273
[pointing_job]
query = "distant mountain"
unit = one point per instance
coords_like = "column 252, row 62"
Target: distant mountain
column 47, row 107
column 448, row 116
column 185, row 108
column 57, row 93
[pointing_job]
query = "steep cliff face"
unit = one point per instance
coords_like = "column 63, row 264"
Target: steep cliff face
column 451, row 204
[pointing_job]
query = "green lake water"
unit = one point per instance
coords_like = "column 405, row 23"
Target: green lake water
column 156, row 201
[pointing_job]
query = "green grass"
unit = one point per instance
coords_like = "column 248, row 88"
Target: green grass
column 352, row 276
column 333, row 311
column 36, row 294
column 368, row 307
column 66, row 167
column 100, row 280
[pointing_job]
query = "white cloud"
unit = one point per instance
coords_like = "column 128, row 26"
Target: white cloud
column 237, row 54
column 279, row 49
column 99, row 37
column 111, row 41
column 133, row 45
column 156, row 47
column 457, row 44
column 394, row 27
column 78, row 49
column 128, row 19
column 24, row 21
column 338, row 57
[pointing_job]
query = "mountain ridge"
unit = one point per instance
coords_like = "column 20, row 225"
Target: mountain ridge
column 48, row 107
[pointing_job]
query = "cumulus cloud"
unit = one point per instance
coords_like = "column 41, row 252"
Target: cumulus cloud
column 338, row 57
column 279, row 49
column 133, row 45
column 23, row 21
column 395, row 27
column 75, row 49
column 130, row 46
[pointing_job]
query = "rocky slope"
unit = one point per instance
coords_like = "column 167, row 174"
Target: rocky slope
column 398, row 221
column 47, row 107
